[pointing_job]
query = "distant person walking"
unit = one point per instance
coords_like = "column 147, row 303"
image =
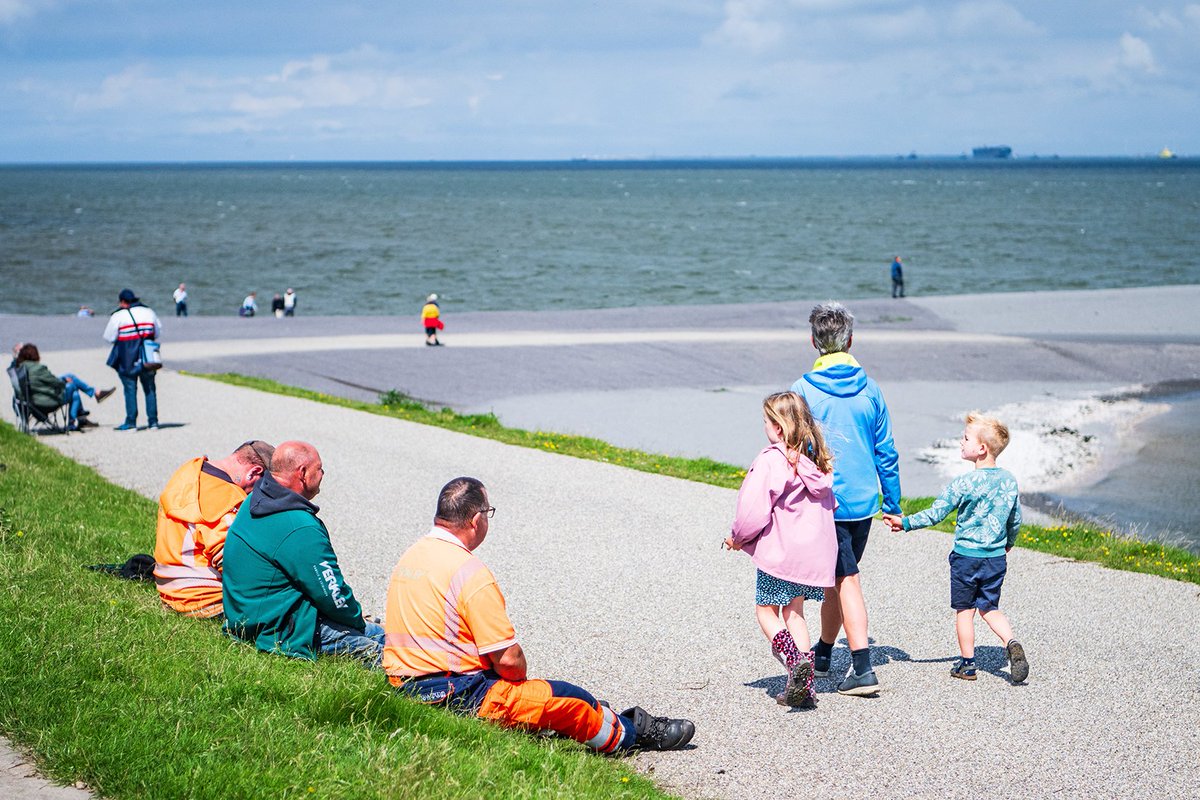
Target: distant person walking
column 988, row 522
column 249, row 305
column 858, row 428
column 289, row 302
column 128, row 329
column 180, row 296
column 431, row 318
column 277, row 306
column 784, row 522
column 897, row 278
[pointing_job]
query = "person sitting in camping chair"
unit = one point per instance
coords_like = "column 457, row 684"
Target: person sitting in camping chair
column 48, row 392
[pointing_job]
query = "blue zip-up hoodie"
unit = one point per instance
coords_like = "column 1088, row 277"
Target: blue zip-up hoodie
column 858, row 430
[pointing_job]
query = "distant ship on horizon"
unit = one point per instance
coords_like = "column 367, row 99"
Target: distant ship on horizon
column 992, row 152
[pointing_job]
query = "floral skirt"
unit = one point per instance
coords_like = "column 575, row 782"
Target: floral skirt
column 772, row 591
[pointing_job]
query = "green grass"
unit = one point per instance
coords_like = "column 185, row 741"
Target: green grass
column 1077, row 541
column 1089, row 543
column 398, row 405
column 105, row 686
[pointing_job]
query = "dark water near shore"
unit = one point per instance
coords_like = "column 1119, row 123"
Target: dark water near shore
column 376, row 238
column 1154, row 494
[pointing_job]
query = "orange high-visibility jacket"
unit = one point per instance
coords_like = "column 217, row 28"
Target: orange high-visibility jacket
column 195, row 511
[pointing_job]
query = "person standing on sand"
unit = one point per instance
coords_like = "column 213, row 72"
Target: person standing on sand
column 897, row 278
column 858, row 429
column 289, row 302
column 277, row 306
column 431, row 319
column 180, row 296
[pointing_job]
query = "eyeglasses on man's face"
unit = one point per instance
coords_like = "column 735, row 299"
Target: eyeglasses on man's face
column 489, row 512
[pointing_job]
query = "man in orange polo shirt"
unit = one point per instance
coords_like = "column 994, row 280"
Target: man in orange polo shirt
column 195, row 511
column 449, row 642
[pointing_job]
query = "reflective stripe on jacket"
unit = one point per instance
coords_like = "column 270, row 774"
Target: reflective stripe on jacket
column 195, row 511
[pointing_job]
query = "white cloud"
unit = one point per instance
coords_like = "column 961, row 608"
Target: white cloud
column 245, row 103
column 746, row 26
column 1136, row 54
column 13, row 10
column 320, row 82
column 1158, row 20
column 127, row 88
column 990, row 17
column 914, row 23
column 1168, row 19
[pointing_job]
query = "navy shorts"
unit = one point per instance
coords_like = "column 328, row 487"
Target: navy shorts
column 852, row 542
column 976, row 582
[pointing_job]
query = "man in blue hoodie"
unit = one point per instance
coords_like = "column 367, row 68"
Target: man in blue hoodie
column 284, row 590
column 858, row 429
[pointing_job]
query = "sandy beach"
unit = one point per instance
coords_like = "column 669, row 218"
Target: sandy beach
column 1074, row 374
column 1103, row 713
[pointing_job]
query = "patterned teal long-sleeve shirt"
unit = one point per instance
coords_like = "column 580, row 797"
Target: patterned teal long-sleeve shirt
column 989, row 512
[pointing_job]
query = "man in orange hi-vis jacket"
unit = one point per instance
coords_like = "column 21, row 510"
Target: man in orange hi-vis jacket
column 195, row 511
column 449, row 642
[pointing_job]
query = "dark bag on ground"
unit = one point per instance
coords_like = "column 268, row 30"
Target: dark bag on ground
column 139, row 567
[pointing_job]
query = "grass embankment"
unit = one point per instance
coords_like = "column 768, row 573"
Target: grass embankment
column 1076, row 541
column 108, row 688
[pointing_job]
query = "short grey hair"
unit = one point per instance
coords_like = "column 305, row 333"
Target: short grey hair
column 832, row 326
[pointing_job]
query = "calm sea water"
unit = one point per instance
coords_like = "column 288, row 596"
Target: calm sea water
column 376, row 238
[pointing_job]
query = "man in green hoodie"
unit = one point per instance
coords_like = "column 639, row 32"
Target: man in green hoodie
column 284, row 591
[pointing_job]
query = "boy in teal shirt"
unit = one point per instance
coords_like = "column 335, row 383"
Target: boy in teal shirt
column 989, row 518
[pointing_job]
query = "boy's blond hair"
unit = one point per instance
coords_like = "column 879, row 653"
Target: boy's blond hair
column 992, row 432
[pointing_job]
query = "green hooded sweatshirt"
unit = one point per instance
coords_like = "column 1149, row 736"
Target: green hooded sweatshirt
column 280, row 573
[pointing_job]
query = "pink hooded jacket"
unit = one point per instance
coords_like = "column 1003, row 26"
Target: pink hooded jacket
column 784, row 518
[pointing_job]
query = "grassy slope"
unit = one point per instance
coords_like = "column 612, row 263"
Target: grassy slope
column 107, row 687
column 1078, row 541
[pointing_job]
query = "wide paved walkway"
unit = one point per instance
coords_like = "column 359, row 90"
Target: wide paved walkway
column 615, row 580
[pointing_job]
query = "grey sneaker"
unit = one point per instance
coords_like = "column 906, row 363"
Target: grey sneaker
column 863, row 685
column 962, row 669
column 1017, row 664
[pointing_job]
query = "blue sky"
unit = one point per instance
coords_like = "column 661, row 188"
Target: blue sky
column 136, row 80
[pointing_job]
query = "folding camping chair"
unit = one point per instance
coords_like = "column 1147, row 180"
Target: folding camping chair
column 31, row 418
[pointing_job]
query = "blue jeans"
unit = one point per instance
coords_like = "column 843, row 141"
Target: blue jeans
column 335, row 639
column 71, row 391
column 130, row 383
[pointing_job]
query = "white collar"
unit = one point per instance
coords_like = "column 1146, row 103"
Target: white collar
column 439, row 532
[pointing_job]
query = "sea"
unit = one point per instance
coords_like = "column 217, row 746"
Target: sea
column 376, row 238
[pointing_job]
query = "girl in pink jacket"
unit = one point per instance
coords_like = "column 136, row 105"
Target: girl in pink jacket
column 784, row 523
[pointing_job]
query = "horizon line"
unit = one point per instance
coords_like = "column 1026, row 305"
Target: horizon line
column 606, row 160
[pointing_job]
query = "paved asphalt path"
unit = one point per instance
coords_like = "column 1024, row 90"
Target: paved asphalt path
column 689, row 381
column 615, row 579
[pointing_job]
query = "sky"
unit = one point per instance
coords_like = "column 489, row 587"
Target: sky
column 150, row 80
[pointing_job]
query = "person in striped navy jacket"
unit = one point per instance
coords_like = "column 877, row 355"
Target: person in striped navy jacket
column 128, row 329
